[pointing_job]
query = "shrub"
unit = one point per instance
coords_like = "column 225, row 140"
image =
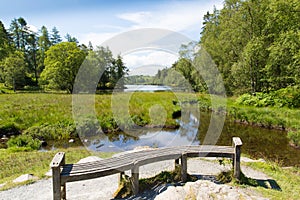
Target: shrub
column 294, row 137
column 61, row 130
column 285, row 97
column 23, row 143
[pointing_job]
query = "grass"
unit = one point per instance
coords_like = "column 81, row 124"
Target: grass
column 284, row 183
column 19, row 112
column 14, row 164
column 49, row 116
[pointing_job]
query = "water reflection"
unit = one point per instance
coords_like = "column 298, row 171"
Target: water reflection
column 185, row 135
column 146, row 88
column 257, row 142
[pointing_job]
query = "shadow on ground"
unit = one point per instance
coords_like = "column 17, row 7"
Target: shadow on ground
column 160, row 188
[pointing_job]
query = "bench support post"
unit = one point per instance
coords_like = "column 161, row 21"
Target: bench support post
column 59, row 190
column 183, row 167
column 121, row 176
column 135, row 179
column 237, row 143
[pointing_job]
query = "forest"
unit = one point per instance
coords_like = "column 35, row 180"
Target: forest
column 255, row 45
column 43, row 61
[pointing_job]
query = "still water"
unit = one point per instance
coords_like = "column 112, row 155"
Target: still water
column 146, row 88
column 257, row 142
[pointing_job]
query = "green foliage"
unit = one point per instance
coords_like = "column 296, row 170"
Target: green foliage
column 62, row 63
column 23, row 143
column 139, row 80
column 5, row 43
column 14, row 70
column 59, row 131
column 285, row 97
column 227, row 177
column 255, row 44
column 294, row 137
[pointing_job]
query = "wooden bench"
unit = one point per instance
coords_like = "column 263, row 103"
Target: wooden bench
column 63, row 173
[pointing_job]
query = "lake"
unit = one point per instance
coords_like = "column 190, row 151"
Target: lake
column 146, row 88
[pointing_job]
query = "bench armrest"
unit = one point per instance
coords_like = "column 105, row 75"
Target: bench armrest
column 236, row 141
column 58, row 160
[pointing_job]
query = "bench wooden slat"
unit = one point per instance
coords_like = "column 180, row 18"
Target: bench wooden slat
column 131, row 161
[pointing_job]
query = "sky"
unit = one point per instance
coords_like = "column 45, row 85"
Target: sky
column 100, row 20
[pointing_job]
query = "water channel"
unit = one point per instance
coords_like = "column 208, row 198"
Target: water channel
column 257, row 142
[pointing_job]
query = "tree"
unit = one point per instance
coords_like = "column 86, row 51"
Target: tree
column 104, row 56
column 14, row 70
column 62, row 63
column 5, row 42
column 19, row 31
column 55, row 37
column 90, row 46
column 31, row 56
column 43, row 45
column 255, row 44
column 70, row 38
column 117, row 72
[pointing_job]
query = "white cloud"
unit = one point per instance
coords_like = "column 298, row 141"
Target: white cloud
column 32, row 28
column 148, row 62
column 178, row 16
column 136, row 17
column 96, row 38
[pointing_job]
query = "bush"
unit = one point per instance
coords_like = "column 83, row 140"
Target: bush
column 286, row 97
column 23, row 143
column 61, row 130
column 294, row 137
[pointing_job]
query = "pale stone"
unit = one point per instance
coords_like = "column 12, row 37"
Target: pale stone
column 2, row 185
column 89, row 159
column 25, row 177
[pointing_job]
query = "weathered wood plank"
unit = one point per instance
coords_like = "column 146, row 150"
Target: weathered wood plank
column 63, row 173
column 237, row 141
column 58, row 159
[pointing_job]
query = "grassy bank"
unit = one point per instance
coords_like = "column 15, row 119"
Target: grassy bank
column 49, row 116
column 14, row 164
column 52, row 113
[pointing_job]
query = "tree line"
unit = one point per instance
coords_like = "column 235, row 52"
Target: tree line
column 43, row 60
column 255, row 44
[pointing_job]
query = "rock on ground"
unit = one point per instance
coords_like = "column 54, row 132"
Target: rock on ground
column 206, row 190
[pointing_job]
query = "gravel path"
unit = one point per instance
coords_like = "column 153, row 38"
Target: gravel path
column 103, row 188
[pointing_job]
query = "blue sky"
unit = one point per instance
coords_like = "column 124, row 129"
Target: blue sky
column 98, row 20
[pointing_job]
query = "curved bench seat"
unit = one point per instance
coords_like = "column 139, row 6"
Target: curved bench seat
column 63, row 173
